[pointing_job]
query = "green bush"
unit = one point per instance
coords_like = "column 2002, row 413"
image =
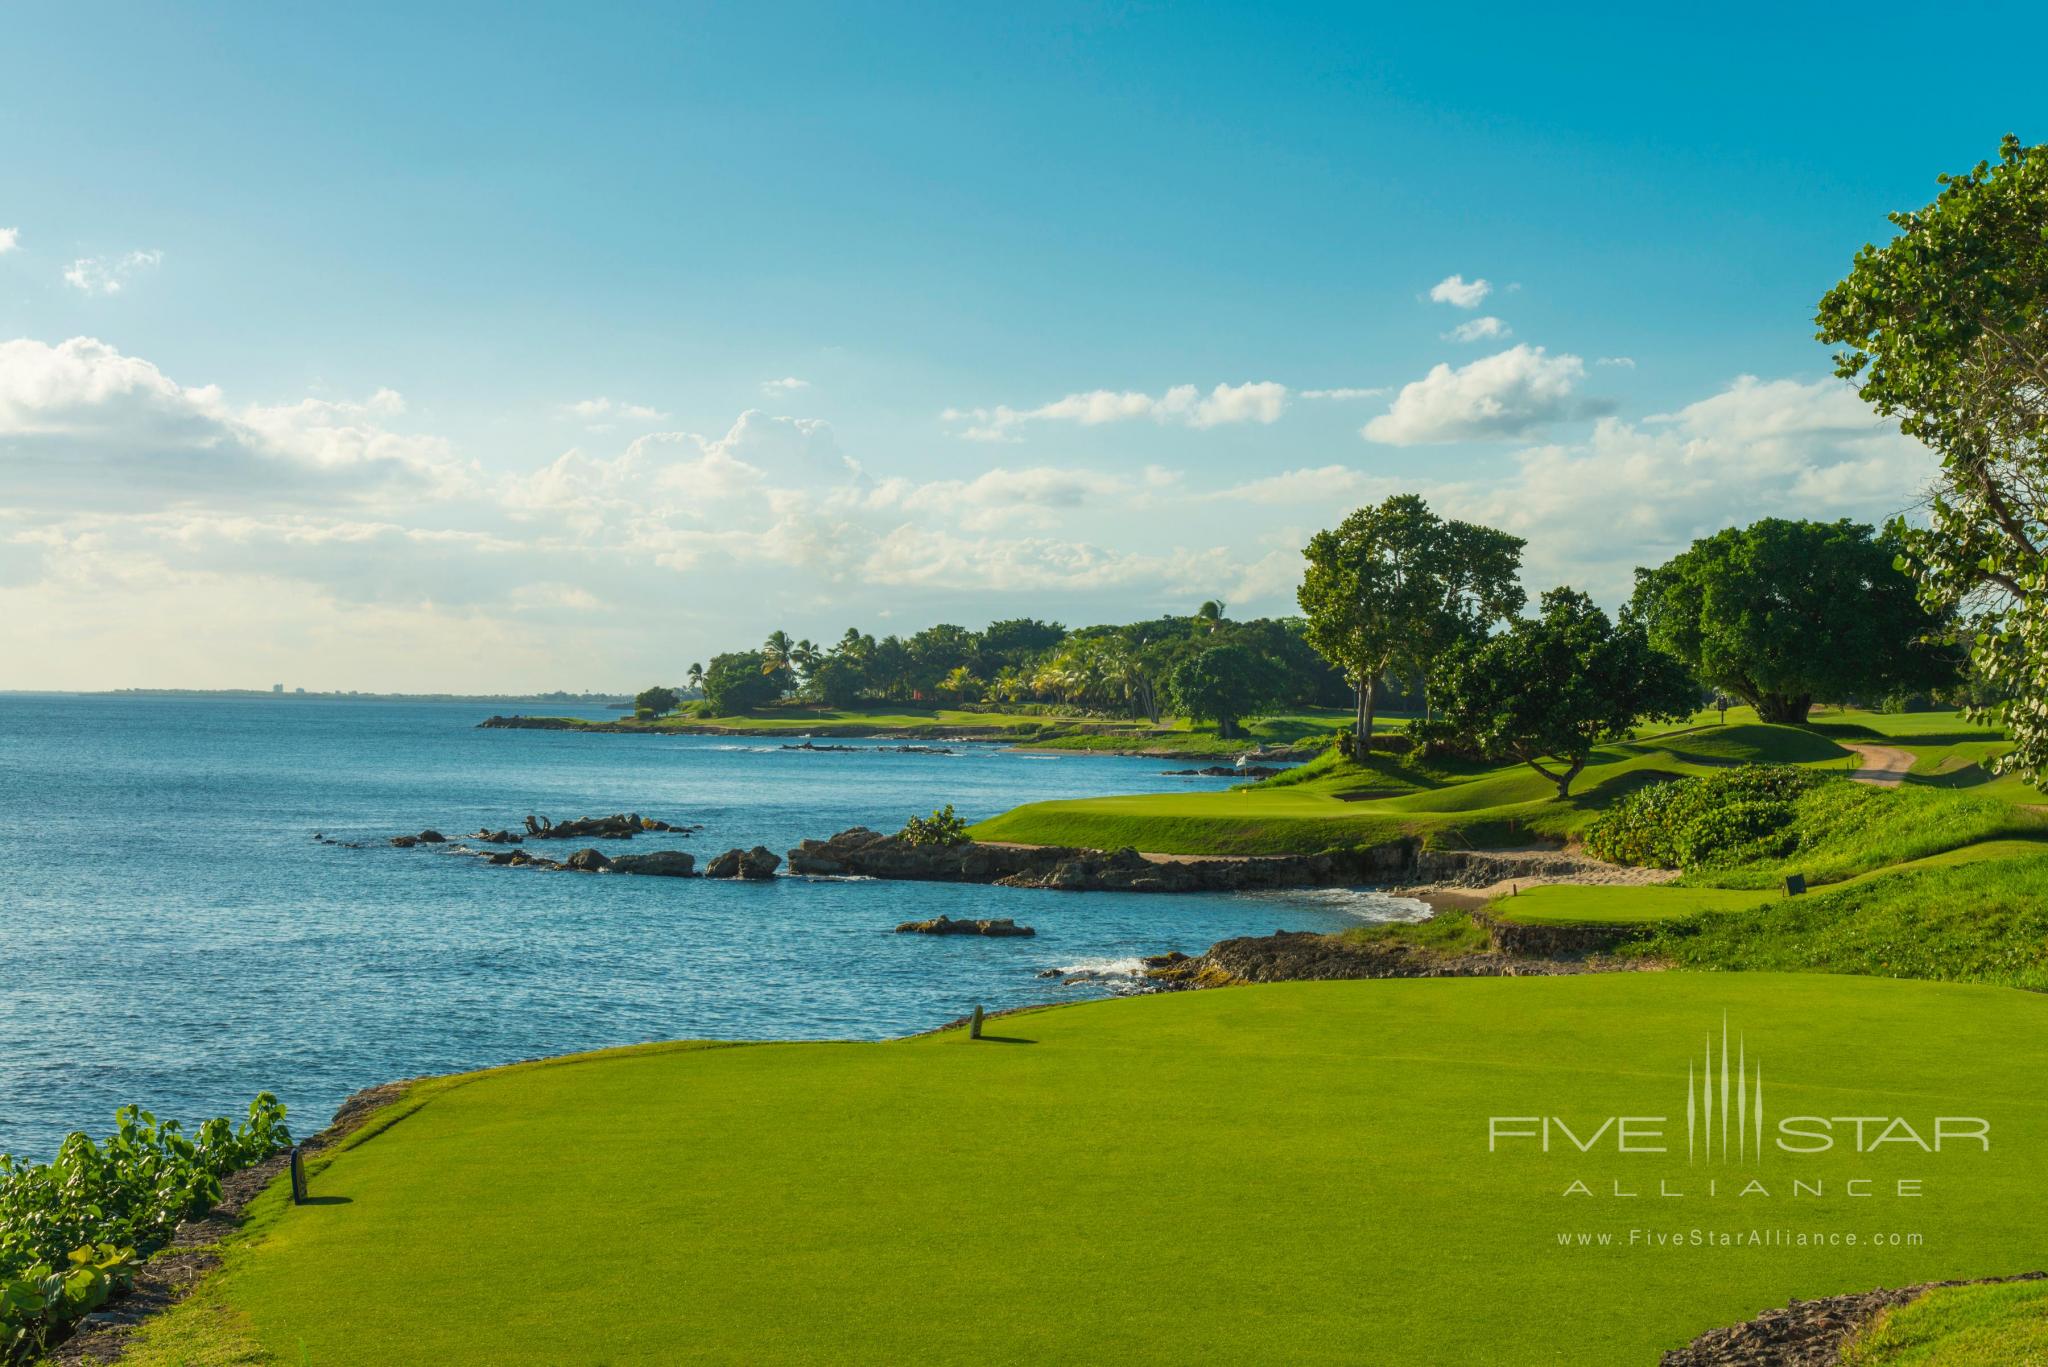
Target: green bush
column 1737, row 815
column 72, row 1229
column 942, row 827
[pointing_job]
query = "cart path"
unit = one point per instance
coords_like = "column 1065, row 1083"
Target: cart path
column 1883, row 765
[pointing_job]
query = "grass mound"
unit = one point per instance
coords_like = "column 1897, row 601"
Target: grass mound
column 1951, row 920
column 1063, row 1192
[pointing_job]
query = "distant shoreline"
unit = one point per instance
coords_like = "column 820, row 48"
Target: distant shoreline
column 323, row 695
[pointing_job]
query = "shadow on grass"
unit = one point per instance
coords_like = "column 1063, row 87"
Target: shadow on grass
column 1005, row 1039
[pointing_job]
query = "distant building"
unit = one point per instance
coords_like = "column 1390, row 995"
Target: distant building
column 277, row 688
column 298, row 690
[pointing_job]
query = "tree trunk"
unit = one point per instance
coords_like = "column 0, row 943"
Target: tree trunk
column 1365, row 710
column 1226, row 728
column 1564, row 782
column 1781, row 709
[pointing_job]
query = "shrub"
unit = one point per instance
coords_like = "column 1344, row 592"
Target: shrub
column 1736, row 815
column 72, row 1229
column 942, row 827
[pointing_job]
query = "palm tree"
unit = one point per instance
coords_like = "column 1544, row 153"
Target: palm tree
column 696, row 677
column 1212, row 612
column 775, row 651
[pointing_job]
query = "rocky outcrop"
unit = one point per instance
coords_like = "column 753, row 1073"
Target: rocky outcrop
column 758, row 863
column 1558, row 941
column 864, row 853
column 946, row 925
column 1249, row 772
column 1805, row 1333
column 587, row 861
column 1295, row 956
column 620, row 826
column 657, row 864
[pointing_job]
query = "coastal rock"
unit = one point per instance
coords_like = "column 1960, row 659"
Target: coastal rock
column 1298, row 956
column 405, row 842
column 946, row 925
column 431, row 837
column 759, row 863
column 657, row 863
column 619, row 826
column 587, row 861
column 491, row 837
column 1248, row 772
column 824, row 749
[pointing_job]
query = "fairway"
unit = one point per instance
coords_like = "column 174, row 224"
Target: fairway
column 1290, row 1173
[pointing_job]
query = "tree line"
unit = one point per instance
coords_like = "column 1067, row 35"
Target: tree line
column 1945, row 329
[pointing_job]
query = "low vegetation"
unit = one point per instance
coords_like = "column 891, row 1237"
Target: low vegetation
column 2001, row 1325
column 72, row 1230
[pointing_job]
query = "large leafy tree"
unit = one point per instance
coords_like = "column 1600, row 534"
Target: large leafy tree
column 1549, row 689
column 1396, row 584
column 1224, row 684
column 741, row 681
column 1946, row 329
column 1782, row 613
column 657, row 701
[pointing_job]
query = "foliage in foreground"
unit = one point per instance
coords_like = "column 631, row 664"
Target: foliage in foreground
column 1984, row 922
column 1946, row 329
column 73, row 1229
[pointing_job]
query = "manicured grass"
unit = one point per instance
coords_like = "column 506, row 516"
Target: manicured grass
column 1960, row 1326
column 1632, row 904
column 1334, row 804
column 1958, row 920
column 1295, row 1173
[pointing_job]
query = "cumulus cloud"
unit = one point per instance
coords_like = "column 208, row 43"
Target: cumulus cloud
column 1459, row 292
column 1623, row 362
column 1483, row 329
column 1636, row 493
column 1261, row 401
column 84, row 426
column 105, row 275
column 1510, row 394
column 788, row 384
column 1344, row 395
column 10, row 240
column 1308, row 485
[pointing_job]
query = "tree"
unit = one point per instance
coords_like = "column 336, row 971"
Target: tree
column 742, row 681
column 1946, row 329
column 657, row 701
column 1212, row 614
column 1223, row 684
column 1478, row 576
column 1782, row 613
column 1372, row 588
column 1553, row 687
column 696, row 676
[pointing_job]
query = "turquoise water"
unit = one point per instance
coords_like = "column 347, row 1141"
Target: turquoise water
column 172, row 934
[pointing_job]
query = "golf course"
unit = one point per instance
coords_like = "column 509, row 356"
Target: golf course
column 1298, row 1172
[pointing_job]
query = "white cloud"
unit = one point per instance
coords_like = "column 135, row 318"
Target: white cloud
column 788, row 384
column 1479, row 330
column 84, row 426
column 1342, row 395
column 1635, row 494
column 1623, row 362
column 10, row 240
column 599, row 409
column 1459, row 292
column 104, row 275
column 1318, row 485
column 1261, row 401
column 1509, row 394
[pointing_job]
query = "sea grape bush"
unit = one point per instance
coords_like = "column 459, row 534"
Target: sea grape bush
column 1738, row 815
column 73, row 1229
column 942, row 827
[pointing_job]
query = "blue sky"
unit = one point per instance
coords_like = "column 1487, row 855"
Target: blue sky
column 435, row 350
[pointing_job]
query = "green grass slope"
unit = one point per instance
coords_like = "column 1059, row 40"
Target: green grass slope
column 1296, row 1173
column 1629, row 904
column 1960, row 1326
column 1956, row 919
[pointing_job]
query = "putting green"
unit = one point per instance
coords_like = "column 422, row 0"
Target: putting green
column 1294, row 1173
